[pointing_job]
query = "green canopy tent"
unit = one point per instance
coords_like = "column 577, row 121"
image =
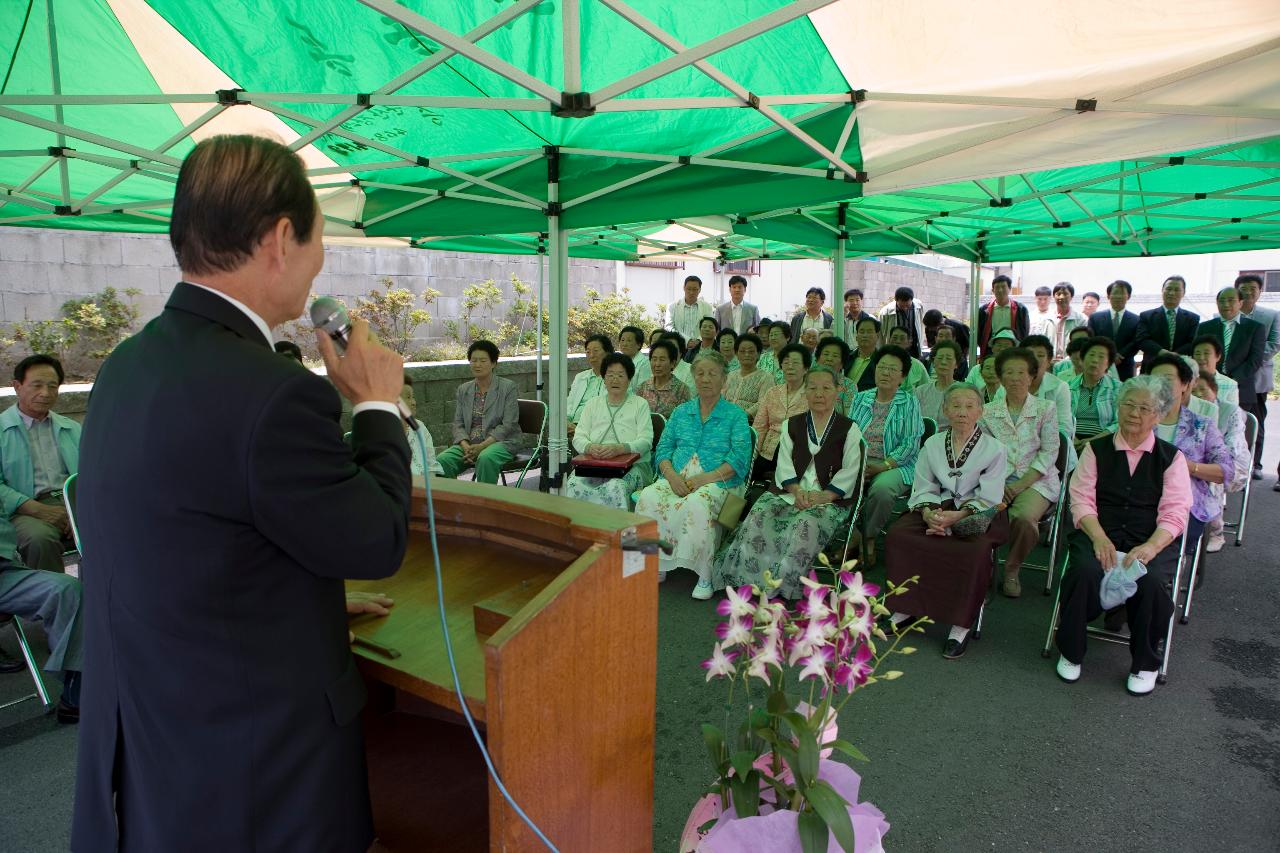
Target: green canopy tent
column 434, row 119
column 1208, row 200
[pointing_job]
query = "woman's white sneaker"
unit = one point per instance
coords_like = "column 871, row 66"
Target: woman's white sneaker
column 1068, row 671
column 1142, row 683
column 703, row 590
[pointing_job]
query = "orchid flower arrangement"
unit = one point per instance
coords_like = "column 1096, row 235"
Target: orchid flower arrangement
column 768, row 651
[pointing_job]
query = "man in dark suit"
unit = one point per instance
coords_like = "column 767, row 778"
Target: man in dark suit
column 737, row 314
column 220, row 510
column 1167, row 328
column 1242, row 340
column 813, row 316
column 1119, row 325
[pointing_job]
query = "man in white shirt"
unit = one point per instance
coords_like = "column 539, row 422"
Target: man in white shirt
column 907, row 312
column 1250, row 287
column 1089, row 303
column 736, row 314
column 1057, row 328
column 684, row 315
column 39, row 450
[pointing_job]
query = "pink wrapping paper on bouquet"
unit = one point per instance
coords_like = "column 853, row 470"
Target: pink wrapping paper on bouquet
column 775, row 831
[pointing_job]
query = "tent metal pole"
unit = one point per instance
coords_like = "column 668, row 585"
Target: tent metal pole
column 459, row 44
column 685, row 56
column 571, row 46
column 55, row 76
column 557, row 369
column 975, row 288
column 537, row 326
column 837, row 273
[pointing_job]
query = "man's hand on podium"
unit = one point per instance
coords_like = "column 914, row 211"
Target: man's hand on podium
column 367, row 602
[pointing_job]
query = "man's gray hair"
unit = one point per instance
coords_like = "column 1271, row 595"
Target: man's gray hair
column 712, row 356
column 1160, row 389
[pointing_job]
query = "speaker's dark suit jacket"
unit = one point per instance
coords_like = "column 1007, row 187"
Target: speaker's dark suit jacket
column 1153, row 331
column 1244, row 357
column 1125, row 338
column 219, row 510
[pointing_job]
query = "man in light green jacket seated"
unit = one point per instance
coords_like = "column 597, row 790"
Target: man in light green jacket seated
column 38, row 451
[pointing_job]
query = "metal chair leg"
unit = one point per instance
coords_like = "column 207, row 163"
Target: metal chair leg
column 1244, row 510
column 42, row 692
column 1053, row 618
column 1162, row 676
column 1191, row 583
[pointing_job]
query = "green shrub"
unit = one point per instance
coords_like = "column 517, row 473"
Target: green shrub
column 393, row 315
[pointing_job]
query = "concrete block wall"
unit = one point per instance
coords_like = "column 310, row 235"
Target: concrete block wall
column 42, row 268
column 434, row 387
column 878, row 281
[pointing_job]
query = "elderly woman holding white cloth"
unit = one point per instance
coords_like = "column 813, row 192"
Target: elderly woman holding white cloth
column 1131, row 495
column 954, row 523
column 614, row 425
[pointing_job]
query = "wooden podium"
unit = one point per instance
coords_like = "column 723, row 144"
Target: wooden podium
column 554, row 630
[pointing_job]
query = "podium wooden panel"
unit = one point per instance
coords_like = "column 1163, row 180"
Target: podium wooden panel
column 564, row 690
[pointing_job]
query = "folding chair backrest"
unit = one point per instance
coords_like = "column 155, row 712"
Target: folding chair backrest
column 930, row 427
column 1064, row 448
column 659, row 424
column 533, row 417
column 69, row 499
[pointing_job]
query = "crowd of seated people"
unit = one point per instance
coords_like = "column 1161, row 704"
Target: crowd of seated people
column 947, row 470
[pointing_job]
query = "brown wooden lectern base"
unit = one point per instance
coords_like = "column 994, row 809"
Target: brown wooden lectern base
column 563, row 687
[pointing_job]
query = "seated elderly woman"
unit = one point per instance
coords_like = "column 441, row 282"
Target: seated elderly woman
column 662, row 390
column 727, row 346
column 589, row 383
column 917, row 375
column 776, row 336
column 889, row 418
column 704, row 452
column 818, row 459
column 1027, row 426
column 946, row 358
column 747, row 384
column 486, row 419
column 1130, row 496
column 1094, row 390
column 988, row 384
column 1231, row 423
column 782, row 401
column 954, row 523
column 617, row 424
column 1207, row 352
column 833, row 352
column 1208, row 459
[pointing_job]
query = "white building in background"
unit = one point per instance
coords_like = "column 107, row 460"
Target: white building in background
column 777, row 287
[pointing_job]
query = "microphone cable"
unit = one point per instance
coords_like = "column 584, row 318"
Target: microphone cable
column 453, row 664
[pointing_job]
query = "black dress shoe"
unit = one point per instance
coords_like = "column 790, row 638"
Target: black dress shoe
column 11, row 664
column 956, row 648
column 67, row 714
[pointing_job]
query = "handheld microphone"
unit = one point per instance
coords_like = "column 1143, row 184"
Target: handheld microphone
column 330, row 316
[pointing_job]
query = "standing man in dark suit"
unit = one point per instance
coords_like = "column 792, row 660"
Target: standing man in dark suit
column 220, row 510
column 1243, row 343
column 1250, row 286
column 1119, row 325
column 1167, row 328
column 813, row 316
column 737, row 314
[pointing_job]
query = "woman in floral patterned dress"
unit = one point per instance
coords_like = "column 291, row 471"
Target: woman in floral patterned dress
column 704, row 452
column 662, row 390
column 818, row 459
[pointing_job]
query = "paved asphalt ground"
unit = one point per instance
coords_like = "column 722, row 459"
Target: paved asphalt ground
column 990, row 752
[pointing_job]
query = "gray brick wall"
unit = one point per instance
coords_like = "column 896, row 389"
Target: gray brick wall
column 878, row 281
column 42, row 268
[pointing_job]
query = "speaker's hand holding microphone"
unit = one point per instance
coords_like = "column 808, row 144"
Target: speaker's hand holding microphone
column 365, row 371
